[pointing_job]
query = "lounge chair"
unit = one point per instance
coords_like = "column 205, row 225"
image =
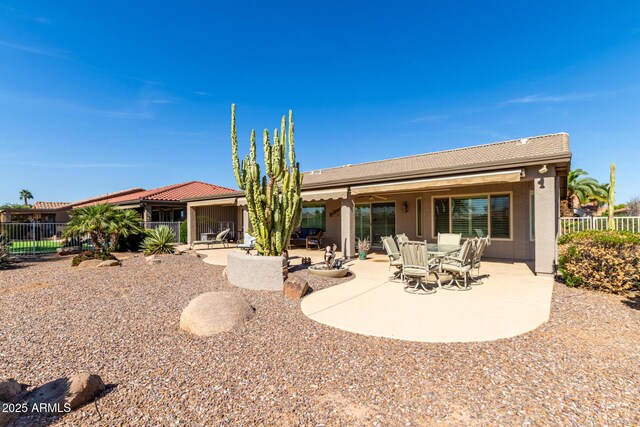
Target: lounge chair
column 395, row 258
column 314, row 240
column 221, row 237
column 481, row 245
column 248, row 243
column 417, row 266
column 460, row 266
column 449, row 238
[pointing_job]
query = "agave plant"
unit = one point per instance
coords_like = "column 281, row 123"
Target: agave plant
column 159, row 241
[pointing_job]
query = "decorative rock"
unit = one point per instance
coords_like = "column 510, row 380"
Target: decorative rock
column 109, row 263
column 295, row 287
column 9, row 390
column 67, row 393
column 153, row 260
column 70, row 250
column 214, row 312
column 90, row 263
column 82, row 388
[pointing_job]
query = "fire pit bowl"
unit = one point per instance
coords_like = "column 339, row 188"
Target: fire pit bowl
column 322, row 270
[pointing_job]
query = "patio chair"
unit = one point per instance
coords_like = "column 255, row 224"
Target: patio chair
column 395, row 258
column 401, row 238
column 221, row 237
column 449, row 238
column 417, row 266
column 248, row 243
column 460, row 266
column 481, row 245
column 314, row 240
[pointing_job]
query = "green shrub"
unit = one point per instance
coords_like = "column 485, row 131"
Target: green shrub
column 133, row 242
column 159, row 241
column 606, row 260
column 183, row 232
column 4, row 252
column 87, row 255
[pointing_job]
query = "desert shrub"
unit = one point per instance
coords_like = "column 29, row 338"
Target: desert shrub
column 183, row 232
column 4, row 252
column 87, row 255
column 607, row 260
column 160, row 241
column 132, row 242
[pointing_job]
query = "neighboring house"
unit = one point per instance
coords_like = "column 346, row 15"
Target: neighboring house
column 508, row 190
column 39, row 212
column 160, row 204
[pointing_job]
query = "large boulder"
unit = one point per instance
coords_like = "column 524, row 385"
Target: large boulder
column 215, row 312
column 65, row 394
column 90, row 263
column 151, row 259
column 109, row 263
column 295, row 287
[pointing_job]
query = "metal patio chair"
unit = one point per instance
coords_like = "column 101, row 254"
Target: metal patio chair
column 395, row 258
column 221, row 237
column 460, row 266
column 417, row 267
column 481, row 245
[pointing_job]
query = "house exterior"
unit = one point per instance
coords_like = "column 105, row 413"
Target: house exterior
column 39, row 212
column 508, row 190
column 159, row 204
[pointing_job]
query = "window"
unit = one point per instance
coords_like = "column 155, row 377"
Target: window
column 441, row 214
column 314, row 216
column 473, row 216
column 375, row 220
column 532, row 216
column 500, row 217
column 419, row 217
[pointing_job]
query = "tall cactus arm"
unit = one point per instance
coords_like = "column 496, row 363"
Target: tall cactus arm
column 292, row 152
column 234, row 151
column 267, row 151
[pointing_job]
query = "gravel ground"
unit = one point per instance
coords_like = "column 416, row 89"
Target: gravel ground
column 581, row 368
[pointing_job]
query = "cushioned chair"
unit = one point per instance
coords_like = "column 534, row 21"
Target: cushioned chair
column 449, row 238
column 417, row 267
column 401, row 238
column 314, row 240
column 481, row 245
column 395, row 258
column 460, row 266
column 221, row 237
column 248, row 243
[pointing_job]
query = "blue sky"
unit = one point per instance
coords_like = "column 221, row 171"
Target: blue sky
column 97, row 97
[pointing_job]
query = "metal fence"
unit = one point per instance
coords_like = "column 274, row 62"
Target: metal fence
column 622, row 223
column 34, row 238
column 174, row 226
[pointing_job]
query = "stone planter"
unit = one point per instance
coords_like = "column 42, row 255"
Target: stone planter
column 321, row 270
column 263, row 273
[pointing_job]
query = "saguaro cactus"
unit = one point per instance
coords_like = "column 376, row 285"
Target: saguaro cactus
column 273, row 200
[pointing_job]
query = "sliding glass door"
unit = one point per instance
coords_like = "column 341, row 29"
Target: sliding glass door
column 374, row 220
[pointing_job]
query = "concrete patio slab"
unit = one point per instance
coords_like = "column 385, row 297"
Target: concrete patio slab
column 511, row 301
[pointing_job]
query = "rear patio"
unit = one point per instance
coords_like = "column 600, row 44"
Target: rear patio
column 511, row 301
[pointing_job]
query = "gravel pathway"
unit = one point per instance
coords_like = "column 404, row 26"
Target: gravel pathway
column 581, row 368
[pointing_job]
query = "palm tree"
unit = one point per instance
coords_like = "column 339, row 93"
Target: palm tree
column 581, row 187
column 26, row 195
column 104, row 224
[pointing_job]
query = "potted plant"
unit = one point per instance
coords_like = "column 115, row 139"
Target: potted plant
column 363, row 247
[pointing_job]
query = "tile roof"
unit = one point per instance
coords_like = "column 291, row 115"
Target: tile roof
column 50, row 205
column 172, row 193
column 96, row 199
column 496, row 154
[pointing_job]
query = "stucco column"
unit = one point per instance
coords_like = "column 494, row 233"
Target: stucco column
column 546, row 216
column 146, row 213
column 246, row 225
column 191, row 224
column 347, row 226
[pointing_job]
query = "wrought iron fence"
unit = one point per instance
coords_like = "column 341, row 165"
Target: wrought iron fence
column 33, row 238
column 173, row 226
column 622, row 223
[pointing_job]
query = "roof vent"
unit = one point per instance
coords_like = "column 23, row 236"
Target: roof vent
column 523, row 141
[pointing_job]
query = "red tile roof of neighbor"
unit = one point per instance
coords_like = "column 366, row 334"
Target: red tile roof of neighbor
column 49, row 205
column 172, row 193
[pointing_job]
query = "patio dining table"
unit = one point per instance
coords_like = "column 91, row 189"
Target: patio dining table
column 440, row 251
